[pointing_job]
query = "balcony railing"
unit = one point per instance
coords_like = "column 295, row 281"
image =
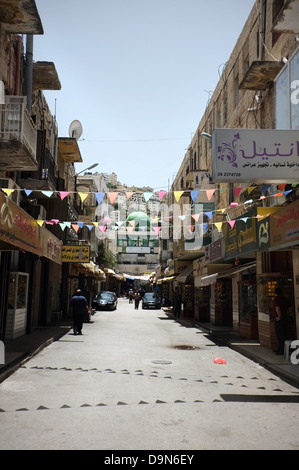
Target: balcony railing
column 17, row 135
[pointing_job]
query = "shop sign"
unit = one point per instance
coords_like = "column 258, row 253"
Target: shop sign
column 214, row 251
column 263, row 228
column 18, row 228
column 242, row 238
column 51, row 247
column 267, row 155
column 75, row 254
column 285, row 225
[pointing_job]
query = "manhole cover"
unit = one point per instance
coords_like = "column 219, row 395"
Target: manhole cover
column 186, row 348
column 161, row 362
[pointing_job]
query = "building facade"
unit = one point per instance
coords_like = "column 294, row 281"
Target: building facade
column 230, row 277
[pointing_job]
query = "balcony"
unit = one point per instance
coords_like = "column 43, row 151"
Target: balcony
column 287, row 19
column 17, row 136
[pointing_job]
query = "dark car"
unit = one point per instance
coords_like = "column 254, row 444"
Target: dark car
column 105, row 300
column 151, row 300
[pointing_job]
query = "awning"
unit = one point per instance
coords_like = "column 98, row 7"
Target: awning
column 184, row 274
column 208, row 280
column 236, row 270
column 165, row 279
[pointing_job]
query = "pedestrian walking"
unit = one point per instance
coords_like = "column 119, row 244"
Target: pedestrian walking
column 177, row 303
column 137, row 298
column 79, row 306
column 131, row 293
column 280, row 316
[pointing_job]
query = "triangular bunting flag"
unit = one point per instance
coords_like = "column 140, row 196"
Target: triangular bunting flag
column 62, row 225
column 219, row 226
column 194, row 195
column 237, row 191
column 157, row 229
column 63, row 194
column 209, row 214
column 47, row 193
column 99, row 197
column 195, row 217
column 177, row 195
column 210, row 193
column 147, row 196
column 81, row 224
column 129, row 194
column 83, row 196
column 7, row 191
column 112, row 197
column 130, row 229
column 40, row 222
column 161, row 194
column 28, row 191
column 103, row 228
column 250, row 189
column 75, row 227
column 231, row 223
column 205, row 227
column 55, row 221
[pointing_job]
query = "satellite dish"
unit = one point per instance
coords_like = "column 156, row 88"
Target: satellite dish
column 75, row 129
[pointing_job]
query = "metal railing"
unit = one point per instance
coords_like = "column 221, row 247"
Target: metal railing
column 16, row 125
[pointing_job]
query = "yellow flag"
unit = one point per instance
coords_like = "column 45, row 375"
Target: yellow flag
column 83, row 196
column 7, row 191
column 177, row 195
column 218, row 225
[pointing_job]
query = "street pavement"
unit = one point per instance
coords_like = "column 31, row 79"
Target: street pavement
column 139, row 380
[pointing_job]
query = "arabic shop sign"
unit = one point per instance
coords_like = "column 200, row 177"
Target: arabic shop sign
column 265, row 155
column 75, row 254
column 285, row 226
column 242, row 237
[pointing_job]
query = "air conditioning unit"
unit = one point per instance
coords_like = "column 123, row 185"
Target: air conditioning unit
column 8, row 183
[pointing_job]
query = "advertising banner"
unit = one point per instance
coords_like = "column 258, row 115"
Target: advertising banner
column 284, row 226
column 259, row 155
column 75, row 254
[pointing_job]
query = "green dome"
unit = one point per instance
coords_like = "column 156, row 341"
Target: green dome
column 141, row 220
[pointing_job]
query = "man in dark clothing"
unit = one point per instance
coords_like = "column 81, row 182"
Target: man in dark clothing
column 79, row 306
column 177, row 303
column 280, row 310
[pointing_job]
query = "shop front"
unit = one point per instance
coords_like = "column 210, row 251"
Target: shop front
column 278, row 266
column 24, row 247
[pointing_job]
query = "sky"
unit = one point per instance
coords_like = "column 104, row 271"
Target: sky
column 138, row 75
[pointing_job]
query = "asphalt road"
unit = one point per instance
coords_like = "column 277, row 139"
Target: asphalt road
column 138, row 380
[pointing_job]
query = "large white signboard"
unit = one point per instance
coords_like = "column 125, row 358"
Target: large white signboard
column 259, row 155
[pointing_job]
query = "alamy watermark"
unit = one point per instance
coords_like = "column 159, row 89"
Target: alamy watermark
column 295, row 93
column 178, row 221
column 2, row 353
column 294, row 357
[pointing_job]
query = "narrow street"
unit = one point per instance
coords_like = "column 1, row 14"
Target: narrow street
column 139, row 380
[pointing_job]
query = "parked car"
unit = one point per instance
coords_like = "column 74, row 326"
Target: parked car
column 105, row 300
column 151, row 300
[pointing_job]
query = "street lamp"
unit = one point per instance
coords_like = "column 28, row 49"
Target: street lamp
column 205, row 135
column 89, row 168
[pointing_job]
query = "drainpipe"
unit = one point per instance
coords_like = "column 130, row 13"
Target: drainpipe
column 18, row 66
column 29, row 70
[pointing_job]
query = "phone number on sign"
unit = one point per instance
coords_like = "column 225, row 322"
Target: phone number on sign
column 220, row 173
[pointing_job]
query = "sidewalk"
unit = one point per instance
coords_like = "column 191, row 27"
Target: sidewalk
column 18, row 351
column 250, row 348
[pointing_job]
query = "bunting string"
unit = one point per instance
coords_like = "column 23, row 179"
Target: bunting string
column 157, row 223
